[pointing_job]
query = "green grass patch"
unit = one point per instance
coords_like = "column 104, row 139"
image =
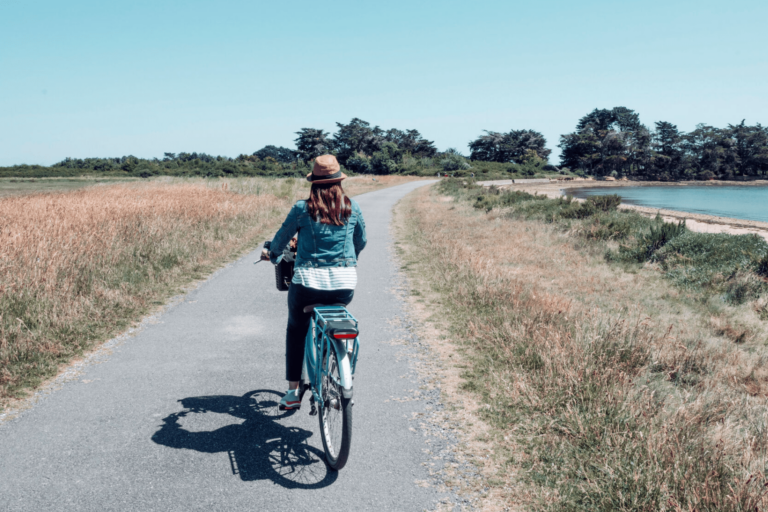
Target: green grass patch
column 732, row 266
column 603, row 407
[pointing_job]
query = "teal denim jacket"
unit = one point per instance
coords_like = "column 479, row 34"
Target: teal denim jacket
column 320, row 245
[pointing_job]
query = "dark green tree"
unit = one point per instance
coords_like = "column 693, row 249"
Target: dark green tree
column 280, row 154
column 359, row 139
column 487, row 148
column 580, row 150
column 607, row 141
column 667, row 153
column 356, row 137
column 751, row 145
column 508, row 147
column 312, row 142
column 411, row 141
column 129, row 163
column 710, row 152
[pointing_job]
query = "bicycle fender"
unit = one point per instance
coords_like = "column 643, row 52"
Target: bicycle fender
column 345, row 370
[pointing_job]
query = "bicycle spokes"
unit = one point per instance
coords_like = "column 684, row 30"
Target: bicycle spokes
column 330, row 357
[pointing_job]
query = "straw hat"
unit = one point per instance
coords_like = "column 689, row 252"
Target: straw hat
column 326, row 170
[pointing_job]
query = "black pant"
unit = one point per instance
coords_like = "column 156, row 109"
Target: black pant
column 300, row 296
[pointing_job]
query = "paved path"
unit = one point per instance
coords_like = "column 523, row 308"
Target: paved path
column 180, row 416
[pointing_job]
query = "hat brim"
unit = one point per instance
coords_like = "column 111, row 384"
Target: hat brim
column 322, row 181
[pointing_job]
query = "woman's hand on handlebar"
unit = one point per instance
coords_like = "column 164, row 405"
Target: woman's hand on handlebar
column 264, row 255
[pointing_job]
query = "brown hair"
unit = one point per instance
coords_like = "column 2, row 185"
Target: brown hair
column 328, row 204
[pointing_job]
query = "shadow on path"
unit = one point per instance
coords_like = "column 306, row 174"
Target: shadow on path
column 259, row 448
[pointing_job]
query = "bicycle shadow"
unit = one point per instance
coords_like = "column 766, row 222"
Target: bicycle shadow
column 259, row 448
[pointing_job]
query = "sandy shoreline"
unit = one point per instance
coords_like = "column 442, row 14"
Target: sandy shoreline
column 695, row 221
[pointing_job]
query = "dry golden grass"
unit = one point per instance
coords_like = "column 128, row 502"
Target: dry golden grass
column 77, row 267
column 74, row 266
column 297, row 188
column 606, row 392
column 45, row 236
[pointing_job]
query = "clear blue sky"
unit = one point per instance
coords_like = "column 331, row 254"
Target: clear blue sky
column 95, row 78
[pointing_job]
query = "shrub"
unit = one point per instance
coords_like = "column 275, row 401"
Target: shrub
column 607, row 227
column 743, row 286
column 660, row 235
column 709, row 260
column 485, row 202
column 649, row 243
column 517, row 196
column 492, row 198
column 387, row 160
column 531, row 164
column 454, row 162
column 592, row 206
column 359, row 164
column 762, row 266
column 459, row 187
column 605, row 203
column 145, row 171
column 717, row 249
column 549, row 210
column 579, row 210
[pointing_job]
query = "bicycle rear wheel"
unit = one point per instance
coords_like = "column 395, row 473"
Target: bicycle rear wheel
column 335, row 416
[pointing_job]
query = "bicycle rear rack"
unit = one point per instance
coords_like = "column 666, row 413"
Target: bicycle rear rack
column 324, row 314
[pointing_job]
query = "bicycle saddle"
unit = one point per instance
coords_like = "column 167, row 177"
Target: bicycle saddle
column 309, row 309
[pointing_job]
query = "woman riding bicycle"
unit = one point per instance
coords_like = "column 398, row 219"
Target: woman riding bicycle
column 331, row 235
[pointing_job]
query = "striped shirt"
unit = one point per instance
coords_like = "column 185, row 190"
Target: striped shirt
column 326, row 278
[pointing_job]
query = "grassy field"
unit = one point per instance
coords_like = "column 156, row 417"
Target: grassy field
column 608, row 381
column 25, row 186
column 21, row 186
column 77, row 267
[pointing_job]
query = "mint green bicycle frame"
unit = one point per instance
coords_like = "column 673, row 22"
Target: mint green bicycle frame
column 319, row 344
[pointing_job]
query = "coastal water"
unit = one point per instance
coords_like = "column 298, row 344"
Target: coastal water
column 738, row 202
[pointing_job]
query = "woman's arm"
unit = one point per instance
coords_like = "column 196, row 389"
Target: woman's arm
column 359, row 236
column 285, row 233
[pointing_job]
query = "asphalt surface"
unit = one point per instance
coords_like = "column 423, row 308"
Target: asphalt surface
column 182, row 416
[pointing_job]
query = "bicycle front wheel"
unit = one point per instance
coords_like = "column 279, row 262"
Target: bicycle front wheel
column 335, row 415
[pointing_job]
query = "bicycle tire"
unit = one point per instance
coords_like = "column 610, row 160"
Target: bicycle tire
column 335, row 417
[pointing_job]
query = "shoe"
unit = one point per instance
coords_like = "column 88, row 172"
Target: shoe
column 291, row 400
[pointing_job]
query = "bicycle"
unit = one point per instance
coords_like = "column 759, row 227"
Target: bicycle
column 330, row 358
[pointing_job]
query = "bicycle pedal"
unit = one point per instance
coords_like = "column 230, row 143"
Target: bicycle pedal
column 313, row 410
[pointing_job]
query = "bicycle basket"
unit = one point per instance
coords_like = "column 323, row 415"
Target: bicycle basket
column 284, row 269
column 283, row 275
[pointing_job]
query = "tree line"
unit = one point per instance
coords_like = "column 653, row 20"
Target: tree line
column 182, row 164
column 613, row 142
column 360, row 148
column 606, row 142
